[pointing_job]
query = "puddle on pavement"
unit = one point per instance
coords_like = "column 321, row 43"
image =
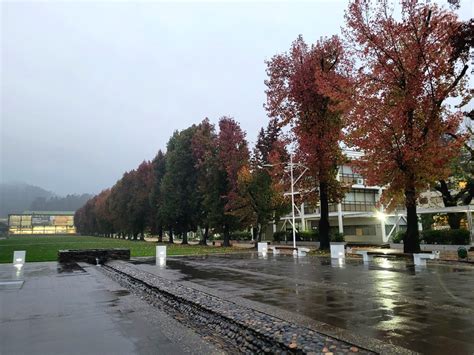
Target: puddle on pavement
column 69, row 268
column 121, row 292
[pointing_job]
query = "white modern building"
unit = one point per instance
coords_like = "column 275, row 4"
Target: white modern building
column 359, row 216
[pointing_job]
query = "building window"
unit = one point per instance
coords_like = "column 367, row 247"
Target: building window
column 360, row 230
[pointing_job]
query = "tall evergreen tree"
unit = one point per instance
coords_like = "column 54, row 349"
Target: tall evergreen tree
column 180, row 202
column 209, row 177
column 260, row 199
column 158, row 172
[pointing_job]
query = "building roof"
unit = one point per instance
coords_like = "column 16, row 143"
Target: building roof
column 49, row 213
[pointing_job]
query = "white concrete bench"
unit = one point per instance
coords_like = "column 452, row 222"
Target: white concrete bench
column 300, row 251
column 365, row 256
column 303, row 251
column 420, row 258
column 274, row 250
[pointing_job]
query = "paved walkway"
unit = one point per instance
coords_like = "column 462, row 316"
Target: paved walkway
column 80, row 311
column 429, row 310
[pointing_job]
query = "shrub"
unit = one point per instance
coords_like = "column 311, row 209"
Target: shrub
column 460, row 236
column 398, row 238
column 279, row 236
column 307, row 236
column 337, row 237
column 462, row 253
column 240, row 236
column 446, row 236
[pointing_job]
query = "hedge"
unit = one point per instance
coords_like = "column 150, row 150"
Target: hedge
column 240, row 236
column 305, row 236
column 444, row 236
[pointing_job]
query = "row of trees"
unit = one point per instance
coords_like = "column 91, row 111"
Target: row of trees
column 381, row 89
column 206, row 180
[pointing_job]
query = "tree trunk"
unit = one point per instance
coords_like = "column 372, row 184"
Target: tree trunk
column 184, row 237
column 411, row 242
column 260, row 233
column 226, row 236
column 171, row 236
column 323, row 225
column 203, row 240
column 454, row 219
column 255, row 236
column 160, row 234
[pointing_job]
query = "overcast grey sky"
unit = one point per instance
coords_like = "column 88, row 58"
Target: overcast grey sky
column 90, row 89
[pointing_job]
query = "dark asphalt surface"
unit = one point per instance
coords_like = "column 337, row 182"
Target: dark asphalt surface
column 81, row 311
column 428, row 310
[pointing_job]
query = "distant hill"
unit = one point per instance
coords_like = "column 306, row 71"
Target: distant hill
column 68, row 203
column 19, row 197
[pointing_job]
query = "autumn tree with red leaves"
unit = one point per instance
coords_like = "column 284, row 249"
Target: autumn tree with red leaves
column 303, row 91
column 260, row 185
column 408, row 67
column 103, row 218
column 233, row 154
column 138, row 206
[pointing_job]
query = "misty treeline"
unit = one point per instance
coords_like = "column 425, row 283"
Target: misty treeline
column 70, row 202
column 207, row 181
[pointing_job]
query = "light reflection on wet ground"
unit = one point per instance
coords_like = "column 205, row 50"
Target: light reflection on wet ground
column 430, row 310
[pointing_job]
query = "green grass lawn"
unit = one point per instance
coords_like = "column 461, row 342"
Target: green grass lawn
column 45, row 248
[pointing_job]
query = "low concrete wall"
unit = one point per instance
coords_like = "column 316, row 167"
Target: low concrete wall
column 92, row 256
column 298, row 244
column 363, row 239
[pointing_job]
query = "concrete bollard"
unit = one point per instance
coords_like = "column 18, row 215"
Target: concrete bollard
column 161, row 251
column 19, row 257
column 337, row 251
column 262, row 248
column 161, row 255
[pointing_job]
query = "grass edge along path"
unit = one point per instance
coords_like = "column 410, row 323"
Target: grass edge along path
column 45, row 248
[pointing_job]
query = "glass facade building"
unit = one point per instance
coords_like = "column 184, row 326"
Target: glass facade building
column 41, row 222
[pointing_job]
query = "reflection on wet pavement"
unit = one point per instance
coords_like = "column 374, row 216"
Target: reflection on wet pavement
column 62, row 309
column 429, row 310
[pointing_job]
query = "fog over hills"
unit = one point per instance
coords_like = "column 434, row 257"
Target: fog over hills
column 17, row 197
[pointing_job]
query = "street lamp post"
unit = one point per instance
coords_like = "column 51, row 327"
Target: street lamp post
column 292, row 193
column 292, row 201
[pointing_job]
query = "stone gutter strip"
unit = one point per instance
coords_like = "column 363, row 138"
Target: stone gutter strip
column 252, row 331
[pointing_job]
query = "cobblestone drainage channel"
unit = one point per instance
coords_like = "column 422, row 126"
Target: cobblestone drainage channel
column 231, row 326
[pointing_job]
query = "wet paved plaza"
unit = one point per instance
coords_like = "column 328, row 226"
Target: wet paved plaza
column 428, row 310
column 57, row 310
